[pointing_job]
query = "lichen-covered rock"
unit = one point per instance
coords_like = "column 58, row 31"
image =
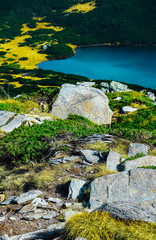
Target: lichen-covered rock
column 135, row 186
column 139, row 162
column 88, row 102
column 135, row 148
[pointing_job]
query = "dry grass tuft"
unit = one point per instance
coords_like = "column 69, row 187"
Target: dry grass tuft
column 100, row 226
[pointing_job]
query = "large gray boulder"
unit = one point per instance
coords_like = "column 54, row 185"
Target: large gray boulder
column 139, row 162
column 112, row 160
column 128, row 211
column 135, row 148
column 134, row 186
column 88, row 102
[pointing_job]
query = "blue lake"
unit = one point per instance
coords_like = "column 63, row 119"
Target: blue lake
column 136, row 65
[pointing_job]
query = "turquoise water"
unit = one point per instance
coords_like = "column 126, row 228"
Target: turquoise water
column 136, row 65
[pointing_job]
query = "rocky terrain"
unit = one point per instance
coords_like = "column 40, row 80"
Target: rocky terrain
column 126, row 188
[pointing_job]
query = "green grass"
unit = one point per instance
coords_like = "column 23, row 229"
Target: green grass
column 100, row 226
column 33, row 143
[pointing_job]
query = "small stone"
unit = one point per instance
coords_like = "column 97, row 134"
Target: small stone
column 28, row 208
column 58, row 201
column 32, row 217
column 91, row 156
column 12, row 218
column 128, row 109
column 2, row 218
column 39, row 201
column 118, row 98
column 50, row 215
column 56, row 226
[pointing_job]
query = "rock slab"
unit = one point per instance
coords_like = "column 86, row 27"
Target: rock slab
column 85, row 101
column 135, row 148
column 140, row 162
column 112, row 160
column 75, row 188
column 134, row 186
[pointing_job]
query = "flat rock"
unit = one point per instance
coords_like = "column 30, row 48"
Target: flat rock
column 140, row 162
column 75, row 188
column 58, row 201
column 17, row 121
column 135, row 148
column 28, row 208
column 86, row 84
column 91, row 156
column 57, row 161
column 88, row 102
column 33, row 216
column 128, row 109
column 128, row 211
column 56, row 226
column 5, row 116
column 112, row 160
column 134, row 186
column 39, row 202
column 24, row 197
column 50, row 215
column 9, row 200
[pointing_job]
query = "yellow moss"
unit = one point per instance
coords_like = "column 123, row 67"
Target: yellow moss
column 82, row 7
column 23, row 106
column 99, row 146
column 40, row 25
column 16, row 84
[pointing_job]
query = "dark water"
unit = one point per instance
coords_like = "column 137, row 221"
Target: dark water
column 136, row 65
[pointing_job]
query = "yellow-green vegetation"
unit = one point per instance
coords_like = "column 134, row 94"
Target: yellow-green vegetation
column 152, row 152
column 98, row 170
column 100, row 226
column 14, row 105
column 40, row 176
column 99, row 146
column 82, row 7
column 17, row 53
